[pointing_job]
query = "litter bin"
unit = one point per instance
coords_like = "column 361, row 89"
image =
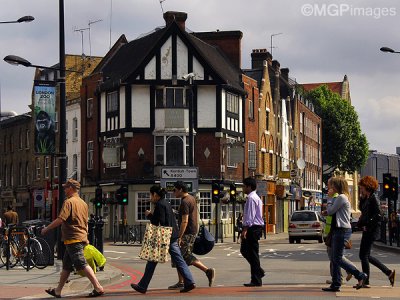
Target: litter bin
column 50, row 237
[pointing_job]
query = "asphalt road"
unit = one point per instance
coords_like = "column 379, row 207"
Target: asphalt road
column 294, row 271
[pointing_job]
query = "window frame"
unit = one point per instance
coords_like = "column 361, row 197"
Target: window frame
column 252, row 155
column 90, row 155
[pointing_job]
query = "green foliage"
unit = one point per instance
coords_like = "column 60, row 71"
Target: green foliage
column 344, row 146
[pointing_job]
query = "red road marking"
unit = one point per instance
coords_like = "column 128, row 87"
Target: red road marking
column 133, row 273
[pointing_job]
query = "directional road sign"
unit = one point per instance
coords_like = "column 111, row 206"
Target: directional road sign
column 179, row 173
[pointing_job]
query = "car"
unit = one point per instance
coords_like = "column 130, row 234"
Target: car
column 306, row 225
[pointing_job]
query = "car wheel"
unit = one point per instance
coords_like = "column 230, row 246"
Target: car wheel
column 298, row 241
column 320, row 239
column 291, row 240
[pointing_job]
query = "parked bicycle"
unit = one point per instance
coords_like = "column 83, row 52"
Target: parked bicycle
column 134, row 235
column 21, row 246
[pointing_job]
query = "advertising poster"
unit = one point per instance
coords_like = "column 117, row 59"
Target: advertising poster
column 45, row 117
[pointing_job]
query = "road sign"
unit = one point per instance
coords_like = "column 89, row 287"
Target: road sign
column 293, row 173
column 179, row 173
column 168, row 184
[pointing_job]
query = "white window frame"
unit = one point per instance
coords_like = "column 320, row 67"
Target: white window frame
column 252, row 155
column 75, row 129
column 205, row 207
column 55, row 167
column 46, row 167
column 228, row 153
column 89, row 155
column 114, row 142
column 142, row 204
column 89, row 108
column 37, row 168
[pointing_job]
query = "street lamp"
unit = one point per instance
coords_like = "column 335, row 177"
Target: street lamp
column 389, row 50
column 24, row 19
column 62, row 111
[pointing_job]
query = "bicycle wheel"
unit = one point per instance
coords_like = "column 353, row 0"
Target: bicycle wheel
column 41, row 252
column 12, row 251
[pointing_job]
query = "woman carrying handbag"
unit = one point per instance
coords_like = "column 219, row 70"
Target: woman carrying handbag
column 164, row 216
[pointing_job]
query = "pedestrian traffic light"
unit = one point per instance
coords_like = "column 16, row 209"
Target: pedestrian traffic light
column 394, row 188
column 122, row 195
column 215, row 191
column 232, row 192
column 98, row 199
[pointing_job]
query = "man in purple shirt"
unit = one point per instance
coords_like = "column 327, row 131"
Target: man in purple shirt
column 253, row 224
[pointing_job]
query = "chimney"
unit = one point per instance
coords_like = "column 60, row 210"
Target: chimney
column 228, row 42
column 285, row 73
column 178, row 17
column 258, row 56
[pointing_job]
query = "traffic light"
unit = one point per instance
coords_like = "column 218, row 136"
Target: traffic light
column 215, row 188
column 232, row 192
column 387, row 183
column 98, row 198
column 122, row 195
column 394, row 188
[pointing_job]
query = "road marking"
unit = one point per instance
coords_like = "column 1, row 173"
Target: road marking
column 112, row 251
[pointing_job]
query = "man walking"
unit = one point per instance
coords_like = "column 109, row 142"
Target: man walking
column 73, row 219
column 188, row 228
column 252, row 230
column 11, row 217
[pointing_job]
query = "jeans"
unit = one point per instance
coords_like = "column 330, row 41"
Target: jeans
column 338, row 262
column 177, row 259
column 365, row 256
column 249, row 248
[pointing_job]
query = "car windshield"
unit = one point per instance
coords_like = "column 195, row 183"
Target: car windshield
column 304, row 216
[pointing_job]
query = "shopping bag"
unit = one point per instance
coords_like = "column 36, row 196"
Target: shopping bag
column 94, row 258
column 155, row 243
column 204, row 242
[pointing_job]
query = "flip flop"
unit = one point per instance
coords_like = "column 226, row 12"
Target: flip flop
column 95, row 293
column 52, row 292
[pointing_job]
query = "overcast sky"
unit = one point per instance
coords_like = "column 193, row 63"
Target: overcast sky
column 320, row 42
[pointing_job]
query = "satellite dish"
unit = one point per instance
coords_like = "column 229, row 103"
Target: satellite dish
column 301, row 164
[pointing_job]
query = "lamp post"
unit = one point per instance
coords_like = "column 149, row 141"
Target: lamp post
column 388, row 50
column 24, row 19
column 62, row 177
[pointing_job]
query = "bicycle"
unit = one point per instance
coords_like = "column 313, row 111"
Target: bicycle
column 133, row 235
column 23, row 247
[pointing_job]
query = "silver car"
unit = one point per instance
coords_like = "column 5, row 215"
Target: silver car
column 306, row 225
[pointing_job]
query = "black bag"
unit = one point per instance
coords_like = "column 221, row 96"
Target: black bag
column 328, row 239
column 204, row 242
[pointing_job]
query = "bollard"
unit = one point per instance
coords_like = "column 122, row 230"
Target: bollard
column 99, row 234
column 91, row 229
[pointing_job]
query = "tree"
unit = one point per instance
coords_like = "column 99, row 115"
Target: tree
column 344, row 146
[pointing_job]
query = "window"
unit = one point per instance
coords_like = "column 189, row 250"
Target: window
column 114, row 143
column 225, row 211
column 143, row 204
column 75, row 166
column 27, row 137
column 89, row 156
column 232, row 103
column 205, row 206
column 11, row 175
column 252, row 155
column 171, row 150
column 66, row 131
column 267, row 120
column 89, row 107
column 55, row 167
column 228, row 150
column 75, row 129
column 172, row 97
column 27, row 174
column 112, row 102
column 175, row 202
column 37, row 168
column 251, row 105
column 46, row 167
column 21, row 139
column 271, row 166
column 21, row 174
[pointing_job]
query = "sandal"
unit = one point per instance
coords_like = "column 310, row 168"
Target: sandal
column 95, row 293
column 52, row 292
column 392, row 277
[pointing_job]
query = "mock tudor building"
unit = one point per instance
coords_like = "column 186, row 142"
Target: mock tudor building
column 141, row 120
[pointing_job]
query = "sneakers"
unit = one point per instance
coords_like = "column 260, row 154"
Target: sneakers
column 392, row 277
column 210, row 273
column 176, row 286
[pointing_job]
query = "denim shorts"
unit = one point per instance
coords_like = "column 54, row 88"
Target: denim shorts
column 73, row 257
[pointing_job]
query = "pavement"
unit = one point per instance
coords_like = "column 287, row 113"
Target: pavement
column 17, row 283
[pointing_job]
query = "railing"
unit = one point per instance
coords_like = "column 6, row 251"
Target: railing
column 129, row 234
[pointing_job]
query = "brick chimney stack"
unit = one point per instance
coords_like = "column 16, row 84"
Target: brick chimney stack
column 178, row 17
column 258, row 56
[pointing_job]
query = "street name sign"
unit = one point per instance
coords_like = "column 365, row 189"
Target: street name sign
column 179, row 173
